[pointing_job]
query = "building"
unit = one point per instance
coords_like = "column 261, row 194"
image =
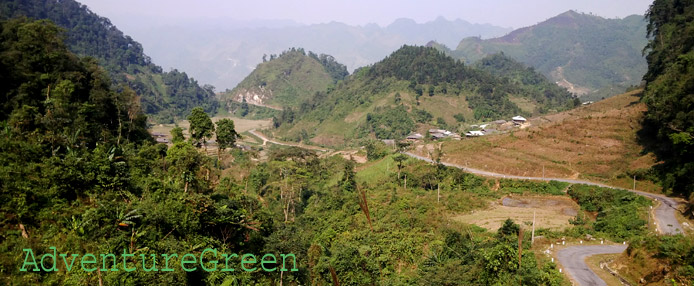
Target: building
column 518, row 120
column 414, row 137
column 474, row 133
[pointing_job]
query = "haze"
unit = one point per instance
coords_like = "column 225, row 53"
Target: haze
column 129, row 14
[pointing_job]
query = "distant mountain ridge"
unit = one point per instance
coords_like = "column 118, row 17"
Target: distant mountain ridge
column 225, row 55
column 587, row 54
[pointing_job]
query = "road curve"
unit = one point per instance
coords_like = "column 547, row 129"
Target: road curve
column 573, row 259
column 666, row 222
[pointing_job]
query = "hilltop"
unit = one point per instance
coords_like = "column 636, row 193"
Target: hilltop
column 223, row 53
column 413, row 89
column 164, row 96
column 288, row 79
column 589, row 55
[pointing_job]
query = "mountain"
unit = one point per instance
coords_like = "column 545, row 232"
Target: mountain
column 163, row 95
column 288, row 79
column 223, row 54
column 587, row 54
column 414, row 89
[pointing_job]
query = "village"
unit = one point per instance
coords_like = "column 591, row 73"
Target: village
column 497, row 126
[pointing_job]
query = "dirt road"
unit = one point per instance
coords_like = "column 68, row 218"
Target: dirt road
column 573, row 259
column 664, row 213
column 265, row 140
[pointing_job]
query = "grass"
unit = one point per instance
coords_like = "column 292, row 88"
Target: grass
column 593, row 263
column 596, row 142
column 242, row 125
column 547, row 215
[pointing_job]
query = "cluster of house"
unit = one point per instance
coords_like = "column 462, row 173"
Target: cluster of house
column 160, row 137
column 500, row 124
column 483, row 129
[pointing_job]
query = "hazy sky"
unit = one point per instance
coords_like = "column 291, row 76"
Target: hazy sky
column 505, row 13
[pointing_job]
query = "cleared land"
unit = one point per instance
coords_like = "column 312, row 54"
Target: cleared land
column 596, row 142
column 551, row 212
column 241, row 124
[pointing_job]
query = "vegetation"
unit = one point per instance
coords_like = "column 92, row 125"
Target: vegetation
column 596, row 56
column 165, row 96
column 619, row 213
column 287, row 80
column 669, row 123
column 415, row 85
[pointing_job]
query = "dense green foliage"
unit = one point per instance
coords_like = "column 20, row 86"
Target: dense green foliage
column 620, row 214
column 201, row 126
column 675, row 251
column 415, row 85
column 669, row 93
column 226, row 133
column 288, row 79
column 597, row 55
column 164, row 96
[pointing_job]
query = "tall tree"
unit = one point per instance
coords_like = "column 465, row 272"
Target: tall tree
column 669, row 92
column 201, row 127
column 226, row 133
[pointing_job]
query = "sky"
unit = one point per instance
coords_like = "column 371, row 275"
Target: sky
column 504, row 13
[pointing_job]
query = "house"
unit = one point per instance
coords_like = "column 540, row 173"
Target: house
column 474, row 133
column 157, row 134
column 162, row 140
column 587, row 103
column 518, row 120
column 437, row 135
column 414, row 137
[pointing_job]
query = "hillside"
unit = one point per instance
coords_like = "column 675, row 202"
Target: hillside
column 413, row 89
column 164, row 96
column 589, row 55
column 597, row 142
column 288, row 79
column 223, row 53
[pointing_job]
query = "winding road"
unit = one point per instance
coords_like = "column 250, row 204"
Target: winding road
column 666, row 222
column 573, row 258
column 574, row 261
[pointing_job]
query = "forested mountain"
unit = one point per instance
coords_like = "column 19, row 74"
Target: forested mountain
column 223, row 53
column 416, row 88
column 288, row 79
column 669, row 93
column 163, row 95
column 587, row 54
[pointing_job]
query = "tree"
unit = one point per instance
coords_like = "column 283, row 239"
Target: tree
column 226, row 134
column 399, row 158
column 244, row 107
column 669, row 120
column 201, row 126
column 177, row 135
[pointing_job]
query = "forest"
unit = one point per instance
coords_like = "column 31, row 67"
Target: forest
column 164, row 96
column 669, row 93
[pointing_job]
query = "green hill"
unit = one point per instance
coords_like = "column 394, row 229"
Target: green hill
column 417, row 88
column 287, row 80
column 587, row 54
column 164, row 96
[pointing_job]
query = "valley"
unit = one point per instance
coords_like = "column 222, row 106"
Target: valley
column 556, row 154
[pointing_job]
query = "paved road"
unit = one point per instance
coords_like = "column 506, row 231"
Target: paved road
column 573, row 259
column 666, row 222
